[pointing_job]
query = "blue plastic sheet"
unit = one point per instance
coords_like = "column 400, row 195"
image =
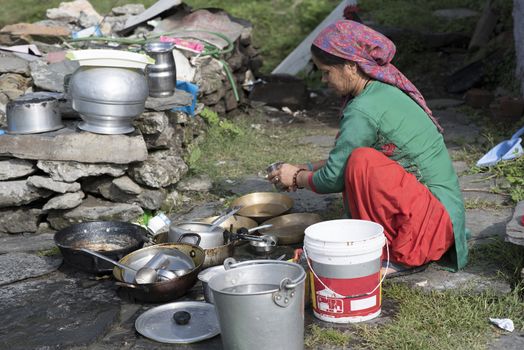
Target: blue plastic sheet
column 189, row 88
column 506, row 150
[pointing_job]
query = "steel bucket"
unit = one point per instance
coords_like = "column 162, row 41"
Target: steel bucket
column 260, row 304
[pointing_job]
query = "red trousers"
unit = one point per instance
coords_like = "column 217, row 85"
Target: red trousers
column 417, row 226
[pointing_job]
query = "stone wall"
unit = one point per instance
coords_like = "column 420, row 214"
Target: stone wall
column 52, row 180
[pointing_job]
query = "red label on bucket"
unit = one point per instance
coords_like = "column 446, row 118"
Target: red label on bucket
column 326, row 304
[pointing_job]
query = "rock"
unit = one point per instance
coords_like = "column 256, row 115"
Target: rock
column 150, row 199
column 514, row 228
column 27, row 243
column 51, row 76
column 72, row 171
column 93, row 209
column 57, row 312
column 13, row 86
column 173, row 198
column 470, row 280
column 15, row 168
column 94, row 185
column 19, row 220
column 161, row 169
column 179, row 99
column 16, row 193
column 126, row 185
column 184, row 70
column 456, row 13
column 33, row 266
column 65, row 201
column 209, row 75
column 485, row 223
column 151, row 123
column 166, row 139
column 200, row 183
column 71, row 11
column 281, row 90
column 230, row 100
column 129, row 9
column 52, row 185
column 513, row 341
column 214, row 97
column 67, row 144
column 443, row 103
column 460, row 166
column 478, row 98
column 13, row 64
column 147, row 198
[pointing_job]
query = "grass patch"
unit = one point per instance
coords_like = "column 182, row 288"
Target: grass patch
column 49, row 252
column 322, row 337
column 440, row 320
column 224, row 155
column 479, row 203
column 508, row 257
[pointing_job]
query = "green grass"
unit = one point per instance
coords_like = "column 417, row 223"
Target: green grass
column 223, row 155
column 440, row 320
column 317, row 336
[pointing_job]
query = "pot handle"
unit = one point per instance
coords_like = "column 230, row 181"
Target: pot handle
column 286, row 283
column 125, row 284
column 285, row 294
column 191, row 234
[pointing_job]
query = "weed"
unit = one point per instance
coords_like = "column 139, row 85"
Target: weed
column 479, row 203
column 317, row 336
column 49, row 252
column 144, row 219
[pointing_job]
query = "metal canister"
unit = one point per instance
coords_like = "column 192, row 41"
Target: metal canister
column 161, row 76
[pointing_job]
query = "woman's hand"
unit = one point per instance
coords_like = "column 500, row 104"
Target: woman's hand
column 283, row 176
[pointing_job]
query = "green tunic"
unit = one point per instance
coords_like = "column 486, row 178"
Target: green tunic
column 382, row 114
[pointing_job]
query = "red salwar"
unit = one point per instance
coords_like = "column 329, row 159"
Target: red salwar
column 416, row 224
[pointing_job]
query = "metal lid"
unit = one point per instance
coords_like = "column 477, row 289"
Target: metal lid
column 180, row 322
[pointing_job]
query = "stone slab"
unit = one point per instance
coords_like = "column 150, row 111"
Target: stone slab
column 485, row 223
column 319, row 140
column 68, row 144
column 509, row 341
column 56, row 312
column 514, row 228
column 20, row 266
column 26, row 243
column 469, row 279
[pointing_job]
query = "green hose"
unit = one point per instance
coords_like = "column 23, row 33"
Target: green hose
column 209, row 48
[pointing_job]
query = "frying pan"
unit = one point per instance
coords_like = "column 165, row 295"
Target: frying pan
column 262, row 206
column 164, row 290
column 114, row 239
column 289, row 229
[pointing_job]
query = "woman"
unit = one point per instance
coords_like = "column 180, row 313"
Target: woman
column 389, row 159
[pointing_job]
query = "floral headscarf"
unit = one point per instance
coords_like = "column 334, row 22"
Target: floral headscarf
column 372, row 52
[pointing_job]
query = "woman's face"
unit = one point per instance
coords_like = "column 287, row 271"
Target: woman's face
column 341, row 78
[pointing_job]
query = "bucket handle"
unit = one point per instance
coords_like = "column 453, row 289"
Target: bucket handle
column 287, row 283
column 350, row 296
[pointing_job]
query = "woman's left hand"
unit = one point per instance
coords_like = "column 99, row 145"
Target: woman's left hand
column 284, row 176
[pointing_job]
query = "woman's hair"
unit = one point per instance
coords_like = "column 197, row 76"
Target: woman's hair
column 327, row 58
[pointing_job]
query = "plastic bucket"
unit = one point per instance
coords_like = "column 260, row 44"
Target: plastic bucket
column 260, row 305
column 344, row 257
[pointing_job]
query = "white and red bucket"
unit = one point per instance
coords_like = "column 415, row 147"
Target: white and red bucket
column 344, row 258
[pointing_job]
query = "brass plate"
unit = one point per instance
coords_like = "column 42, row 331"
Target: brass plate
column 290, row 228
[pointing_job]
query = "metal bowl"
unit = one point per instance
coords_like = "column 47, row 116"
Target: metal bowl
column 289, row 228
column 262, row 206
column 264, row 247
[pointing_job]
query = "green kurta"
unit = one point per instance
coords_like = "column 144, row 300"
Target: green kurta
column 382, row 115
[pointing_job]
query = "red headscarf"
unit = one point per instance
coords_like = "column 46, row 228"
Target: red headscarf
column 372, row 52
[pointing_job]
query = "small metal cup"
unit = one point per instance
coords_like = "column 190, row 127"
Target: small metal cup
column 272, row 167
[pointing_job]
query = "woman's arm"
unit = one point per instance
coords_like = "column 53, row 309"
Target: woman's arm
column 312, row 166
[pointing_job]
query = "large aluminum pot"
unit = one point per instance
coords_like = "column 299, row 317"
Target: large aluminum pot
column 34, row 113
column 108, row 98
column 164, row 290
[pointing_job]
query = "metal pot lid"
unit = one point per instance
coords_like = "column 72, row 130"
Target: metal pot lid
column 181, row 322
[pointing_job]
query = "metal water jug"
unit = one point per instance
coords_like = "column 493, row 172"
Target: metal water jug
column 161, row 76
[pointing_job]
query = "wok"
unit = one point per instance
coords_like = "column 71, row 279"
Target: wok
column 113, row 239
column 164, row 290
column 289, row 229
column 262, row 206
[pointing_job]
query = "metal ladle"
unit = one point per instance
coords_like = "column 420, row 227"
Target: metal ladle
column 103, row 257
column 153, row 271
